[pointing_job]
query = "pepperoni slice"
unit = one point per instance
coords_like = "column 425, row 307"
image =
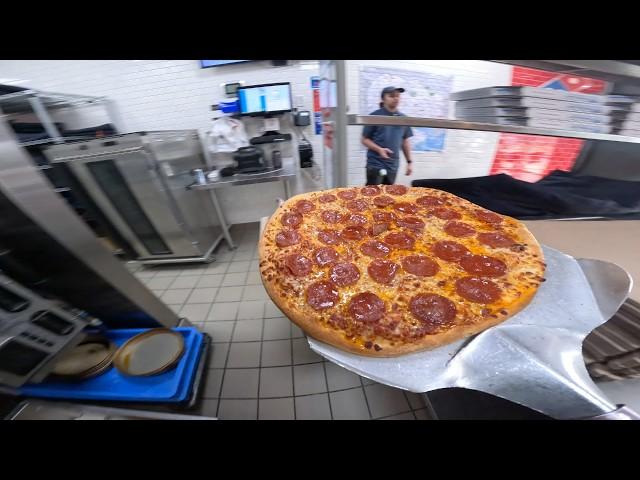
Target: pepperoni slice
column 343, row 274
column 383, row 201
column 366, row 307
column 357, row 205
column 325, row 256
column 374, row 248
column 382, row 271
column 487, row 216
column 400, row 240
column 412, row 223
column 384, row 217
column 327, row 198
column 495, row 239
column 433, row 311
column 420, row 265
column 286, row 238
column 298, row 265
column 329, row 237
column 304, row 206
column 347, row 194
column 477, row 290
column 450, row 251
column 353, row 232
column 331, row 216
column 429, row 201
column 322, row 295
column 405, row 207
column 396, row 189
column 291, row 219
column 370, row 190
column 377, row 228
column 458, row 229
column 356, row 219
column 483, row 266
column 446, row 213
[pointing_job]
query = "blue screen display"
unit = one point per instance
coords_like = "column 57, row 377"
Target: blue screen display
column 265, row 99
column 217, row 63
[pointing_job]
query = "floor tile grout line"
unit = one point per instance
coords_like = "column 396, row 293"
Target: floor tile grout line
column 406, row 397
column 293, row 380
column 366, row 400
column 307, row 395
column 326, row 380
column 226, row 361
column 260, row 370
column 387, row 416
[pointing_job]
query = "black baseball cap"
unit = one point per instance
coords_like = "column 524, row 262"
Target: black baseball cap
column 386, row 90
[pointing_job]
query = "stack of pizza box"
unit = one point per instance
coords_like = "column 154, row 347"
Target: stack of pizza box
column 535, row 107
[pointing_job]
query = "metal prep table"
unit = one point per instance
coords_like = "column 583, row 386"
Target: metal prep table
column 283, row 175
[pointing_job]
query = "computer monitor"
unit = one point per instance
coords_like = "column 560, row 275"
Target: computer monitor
column 270, row 98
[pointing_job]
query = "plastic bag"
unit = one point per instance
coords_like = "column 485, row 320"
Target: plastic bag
column 227, row 135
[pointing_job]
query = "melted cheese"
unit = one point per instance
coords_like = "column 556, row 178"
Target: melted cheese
column 524, row 269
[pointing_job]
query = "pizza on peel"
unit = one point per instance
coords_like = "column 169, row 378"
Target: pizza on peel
column 389, row 270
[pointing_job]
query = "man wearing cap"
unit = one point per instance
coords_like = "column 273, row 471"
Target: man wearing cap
column 384, row 142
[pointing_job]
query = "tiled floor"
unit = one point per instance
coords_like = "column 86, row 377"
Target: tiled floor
column 261, row 365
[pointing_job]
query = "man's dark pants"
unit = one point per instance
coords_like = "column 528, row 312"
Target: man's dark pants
column 374, row 179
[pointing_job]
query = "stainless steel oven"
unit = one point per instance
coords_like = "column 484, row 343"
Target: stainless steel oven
column 139, row 182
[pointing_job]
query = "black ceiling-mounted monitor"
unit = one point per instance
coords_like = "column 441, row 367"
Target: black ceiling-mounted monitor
column 267, row 99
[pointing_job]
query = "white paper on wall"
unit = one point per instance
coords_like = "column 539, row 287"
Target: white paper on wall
column 426, row 95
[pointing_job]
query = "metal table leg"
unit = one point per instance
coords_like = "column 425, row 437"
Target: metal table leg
column 221, row 219
column 287, row 188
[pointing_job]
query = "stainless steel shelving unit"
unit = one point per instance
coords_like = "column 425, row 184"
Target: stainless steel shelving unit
column 41, row 103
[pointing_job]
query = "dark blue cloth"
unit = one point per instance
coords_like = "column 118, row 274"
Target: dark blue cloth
column 558, row 195
column 386, row 137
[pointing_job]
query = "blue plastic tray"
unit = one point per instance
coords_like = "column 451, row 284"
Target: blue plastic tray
column 171, row 386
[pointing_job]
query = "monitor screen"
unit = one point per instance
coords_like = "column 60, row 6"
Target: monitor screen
column 263, row 99
column 217, row 63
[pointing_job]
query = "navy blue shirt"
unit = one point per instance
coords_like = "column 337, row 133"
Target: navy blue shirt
column 385, row 136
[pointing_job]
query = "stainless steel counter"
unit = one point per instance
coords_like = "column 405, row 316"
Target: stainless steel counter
column 284, row 174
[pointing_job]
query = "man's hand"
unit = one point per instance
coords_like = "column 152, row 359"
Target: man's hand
column 385, row 152
column 409, row 169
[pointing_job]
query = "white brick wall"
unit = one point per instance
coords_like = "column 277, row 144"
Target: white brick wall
column 177, row 94
column 466, row 153
column 169, row 95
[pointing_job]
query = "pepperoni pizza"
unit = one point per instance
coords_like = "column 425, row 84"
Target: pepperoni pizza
column 385, row 271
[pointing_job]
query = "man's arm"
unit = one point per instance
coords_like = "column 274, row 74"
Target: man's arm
column 406, row 149
column 371, row 145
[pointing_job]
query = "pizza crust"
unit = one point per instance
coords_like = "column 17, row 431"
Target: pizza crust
column 308, row 322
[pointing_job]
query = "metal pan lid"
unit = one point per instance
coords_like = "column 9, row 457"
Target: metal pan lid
column 149, row 353
column 89, row 358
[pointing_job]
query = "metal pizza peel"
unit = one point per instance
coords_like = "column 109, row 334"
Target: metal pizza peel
column 534, row 358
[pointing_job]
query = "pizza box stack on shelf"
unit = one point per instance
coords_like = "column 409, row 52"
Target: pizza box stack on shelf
column 625, row 115
column 535, row 107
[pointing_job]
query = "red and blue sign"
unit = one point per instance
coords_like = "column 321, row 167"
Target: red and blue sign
column 317, row 114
